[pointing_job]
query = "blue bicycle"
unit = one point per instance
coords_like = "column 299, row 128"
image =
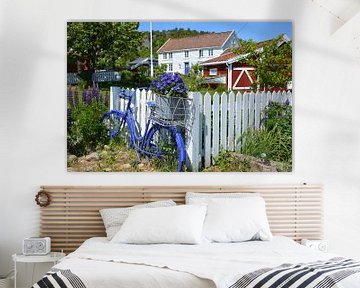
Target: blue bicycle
column 161, row 139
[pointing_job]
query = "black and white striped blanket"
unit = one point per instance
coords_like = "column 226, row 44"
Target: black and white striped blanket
column 59, row 278
column 320, row 274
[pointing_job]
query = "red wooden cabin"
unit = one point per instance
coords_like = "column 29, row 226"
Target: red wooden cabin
column 228, row 70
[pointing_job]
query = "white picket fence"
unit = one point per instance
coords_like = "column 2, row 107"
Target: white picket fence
column 217, row 120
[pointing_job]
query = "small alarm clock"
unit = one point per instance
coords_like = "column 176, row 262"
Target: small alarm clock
column 320, row 245
column 36, row 246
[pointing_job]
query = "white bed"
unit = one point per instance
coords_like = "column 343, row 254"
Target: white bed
column 99, row 263
column 225, row 258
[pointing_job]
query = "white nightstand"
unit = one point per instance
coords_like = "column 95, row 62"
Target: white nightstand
column 53, row 257
column 320, row 245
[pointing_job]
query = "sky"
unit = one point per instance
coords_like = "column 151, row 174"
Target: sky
column 257, row 31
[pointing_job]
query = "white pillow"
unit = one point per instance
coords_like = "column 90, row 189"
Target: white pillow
column 113, row 218
column 236, row 220
column 180, row 224
column 204, row 198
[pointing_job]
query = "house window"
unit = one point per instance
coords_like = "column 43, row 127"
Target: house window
column 165, row 56
column 186, row 54
column 213, row 71
column 170, row 55
column 201, row 53
column 211, row 52
column 170, row 67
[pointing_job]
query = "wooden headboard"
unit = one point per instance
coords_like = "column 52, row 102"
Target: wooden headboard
column 73, row 214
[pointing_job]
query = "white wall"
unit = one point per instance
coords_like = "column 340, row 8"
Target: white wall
column 32, row 107
column 179, row 59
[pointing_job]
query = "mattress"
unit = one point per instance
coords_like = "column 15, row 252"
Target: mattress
column 99, row 263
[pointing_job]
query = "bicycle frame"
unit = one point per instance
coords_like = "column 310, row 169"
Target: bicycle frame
column 137, row 140
column 141, row 141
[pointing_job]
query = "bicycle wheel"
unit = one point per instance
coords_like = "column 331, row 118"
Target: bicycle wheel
column 117, row 125
column 165, row 145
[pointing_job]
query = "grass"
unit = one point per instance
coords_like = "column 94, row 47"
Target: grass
column 274, row 140
column 228, row 162
column 235, row 162
column 118, row 157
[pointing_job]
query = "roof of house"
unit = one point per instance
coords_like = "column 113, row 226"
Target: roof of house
column 193, row 42
column 283, row 39
column 229, row 56
column 222, row 58
column 141, row 61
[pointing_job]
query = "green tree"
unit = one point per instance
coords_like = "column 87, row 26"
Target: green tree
column 103, row 45
column 272, row 61
column 159, row 69
column 194, row 79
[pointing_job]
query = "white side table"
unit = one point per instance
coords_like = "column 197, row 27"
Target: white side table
column 53, row 257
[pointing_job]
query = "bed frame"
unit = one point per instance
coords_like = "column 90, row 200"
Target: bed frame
column 73, row 214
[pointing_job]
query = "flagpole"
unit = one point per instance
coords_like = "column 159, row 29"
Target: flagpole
column 151, row 53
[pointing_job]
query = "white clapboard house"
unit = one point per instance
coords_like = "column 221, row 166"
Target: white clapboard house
column 180, row 54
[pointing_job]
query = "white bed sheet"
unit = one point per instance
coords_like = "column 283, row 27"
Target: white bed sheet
column 101, row 274
column 100, row 263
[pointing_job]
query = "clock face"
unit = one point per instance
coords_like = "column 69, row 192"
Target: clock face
column 40, row 245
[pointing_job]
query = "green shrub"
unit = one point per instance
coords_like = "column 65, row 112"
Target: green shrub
column 228, row 161
column 194, row 79
column 274, row 141
column 85, row 130
column 279, row 115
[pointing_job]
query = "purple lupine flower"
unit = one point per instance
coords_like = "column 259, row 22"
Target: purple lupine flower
column 96, row 93
column 84, row 95
column 87, row 96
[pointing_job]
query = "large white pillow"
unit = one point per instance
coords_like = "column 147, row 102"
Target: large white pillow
column 173, row 225
column 113, row 218
column 204, row 198
column 236, row 220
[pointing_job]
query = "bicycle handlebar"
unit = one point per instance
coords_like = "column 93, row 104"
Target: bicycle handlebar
column 126, row 94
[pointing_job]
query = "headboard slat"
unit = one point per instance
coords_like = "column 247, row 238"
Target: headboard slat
column 73, row 216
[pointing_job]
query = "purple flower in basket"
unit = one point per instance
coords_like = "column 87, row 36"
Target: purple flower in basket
column 169, row 84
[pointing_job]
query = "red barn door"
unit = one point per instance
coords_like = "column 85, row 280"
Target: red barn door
column 243, row 78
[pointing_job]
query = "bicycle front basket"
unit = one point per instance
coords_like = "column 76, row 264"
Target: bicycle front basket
column 171, row 110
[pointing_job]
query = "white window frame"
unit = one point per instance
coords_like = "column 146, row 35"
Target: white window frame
column 170, row 67
column 170, row 55
column 211, row 52
column 201, row 53
column 165, row 56
column 213, row 71
column 186, row 54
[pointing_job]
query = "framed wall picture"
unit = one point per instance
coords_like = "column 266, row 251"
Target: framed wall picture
column 179, row 96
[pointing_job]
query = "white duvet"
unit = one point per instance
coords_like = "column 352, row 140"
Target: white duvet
column 100, row 263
